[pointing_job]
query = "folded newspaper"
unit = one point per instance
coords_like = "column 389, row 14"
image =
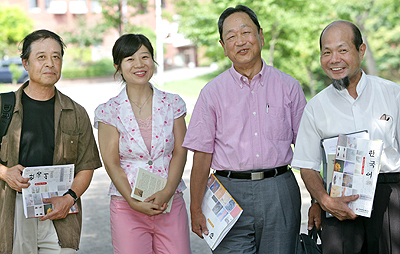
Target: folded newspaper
column 356, row 169
column 146, row 184
column 46, row 182
column 221, row 211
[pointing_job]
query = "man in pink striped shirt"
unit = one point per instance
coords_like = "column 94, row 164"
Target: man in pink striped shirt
column 242, row 126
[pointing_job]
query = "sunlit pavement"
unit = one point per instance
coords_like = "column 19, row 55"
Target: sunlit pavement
column 96, row 236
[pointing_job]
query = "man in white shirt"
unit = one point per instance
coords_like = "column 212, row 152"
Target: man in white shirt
column 355, row 101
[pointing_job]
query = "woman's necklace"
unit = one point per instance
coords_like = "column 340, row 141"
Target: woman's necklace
column 140, row 107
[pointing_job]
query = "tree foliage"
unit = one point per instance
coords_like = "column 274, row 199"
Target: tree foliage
column 15, row 25
column 291, row 32
column 113, row 12
column 84, row 34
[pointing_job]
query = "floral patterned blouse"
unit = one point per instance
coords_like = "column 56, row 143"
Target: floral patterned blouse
column 132, row 149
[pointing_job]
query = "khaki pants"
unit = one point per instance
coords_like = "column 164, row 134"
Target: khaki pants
column 34, row 236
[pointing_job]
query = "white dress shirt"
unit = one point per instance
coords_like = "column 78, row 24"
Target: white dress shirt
column 333, row 112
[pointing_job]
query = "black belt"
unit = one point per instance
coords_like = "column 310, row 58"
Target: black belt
column 389, row 178
column 259, row 175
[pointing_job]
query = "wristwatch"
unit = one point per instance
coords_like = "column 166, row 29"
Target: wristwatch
column 314, row 201
column 73, row 195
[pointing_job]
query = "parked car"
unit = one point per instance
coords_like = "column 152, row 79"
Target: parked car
column 5, row 73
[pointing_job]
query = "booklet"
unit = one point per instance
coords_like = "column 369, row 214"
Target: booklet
column 46, row 182
column 221, row 211
column 146, row 184
column 328, row 157
column 356, row 169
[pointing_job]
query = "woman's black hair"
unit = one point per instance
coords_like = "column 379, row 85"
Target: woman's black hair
column 127, row 45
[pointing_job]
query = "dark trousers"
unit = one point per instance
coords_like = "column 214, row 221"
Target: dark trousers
column 379, row 234
column 270, row 222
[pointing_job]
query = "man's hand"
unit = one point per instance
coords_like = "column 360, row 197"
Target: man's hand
column 338, row 207
column 198, row 183
column 199, row 223
column 61, row 207
column 13, row 177
column 314, row 216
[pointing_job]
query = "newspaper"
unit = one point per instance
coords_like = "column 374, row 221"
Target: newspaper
column 221, row 211
column 46, row 182
column 146, row 184
column 356, row 169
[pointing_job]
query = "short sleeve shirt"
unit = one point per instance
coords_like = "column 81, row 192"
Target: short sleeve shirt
column 132, row 149
column 333, row 112
column 246, row 125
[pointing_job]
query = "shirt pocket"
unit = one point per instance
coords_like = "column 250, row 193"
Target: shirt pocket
column 70, row 147
column 384, row 131
column 276, row 124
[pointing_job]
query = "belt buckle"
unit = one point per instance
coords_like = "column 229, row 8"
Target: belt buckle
column 257, row 176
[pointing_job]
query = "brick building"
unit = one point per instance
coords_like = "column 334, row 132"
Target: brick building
column 62, row 15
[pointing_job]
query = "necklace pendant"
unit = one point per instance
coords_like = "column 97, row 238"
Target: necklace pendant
column 140, row 107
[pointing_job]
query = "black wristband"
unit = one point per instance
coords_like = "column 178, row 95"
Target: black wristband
column 73, row 195
column 314, row 201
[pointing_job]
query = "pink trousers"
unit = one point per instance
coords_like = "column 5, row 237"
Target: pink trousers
column 135, row 232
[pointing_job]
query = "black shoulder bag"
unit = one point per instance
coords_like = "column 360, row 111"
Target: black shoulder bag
column 7, row 110
column 309, row 243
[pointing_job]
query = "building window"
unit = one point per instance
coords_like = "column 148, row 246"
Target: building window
column 95, row 6
column 33, row 4
column 47, row 3
column 78, row 7
column 56, row 7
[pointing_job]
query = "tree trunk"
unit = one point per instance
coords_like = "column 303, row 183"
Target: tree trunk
column 311, row 78
column 272, row 43
column 370, row 60
column 120, row 18
column 369, row 55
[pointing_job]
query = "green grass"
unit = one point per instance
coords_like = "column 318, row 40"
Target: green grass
column 8, row 88
column 190, row 87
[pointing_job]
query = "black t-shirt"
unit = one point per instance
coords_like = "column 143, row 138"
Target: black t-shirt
column 37, row 134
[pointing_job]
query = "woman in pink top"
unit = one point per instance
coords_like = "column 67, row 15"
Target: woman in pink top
column 143, row 127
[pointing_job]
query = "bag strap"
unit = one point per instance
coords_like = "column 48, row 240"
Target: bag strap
column 7, row 110
column 314, row 233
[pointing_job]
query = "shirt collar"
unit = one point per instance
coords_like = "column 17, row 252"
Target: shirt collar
column 62, row 100
column 362, row 83
column 242, row 80
column 122, row 97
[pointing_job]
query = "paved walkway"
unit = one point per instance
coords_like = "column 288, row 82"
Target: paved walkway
column 96, row 236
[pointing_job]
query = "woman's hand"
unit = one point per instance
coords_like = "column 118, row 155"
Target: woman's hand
column 148, row 208
column 160, row 198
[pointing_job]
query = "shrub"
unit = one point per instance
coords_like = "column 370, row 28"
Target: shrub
column 16, row 72
column 100, row 68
